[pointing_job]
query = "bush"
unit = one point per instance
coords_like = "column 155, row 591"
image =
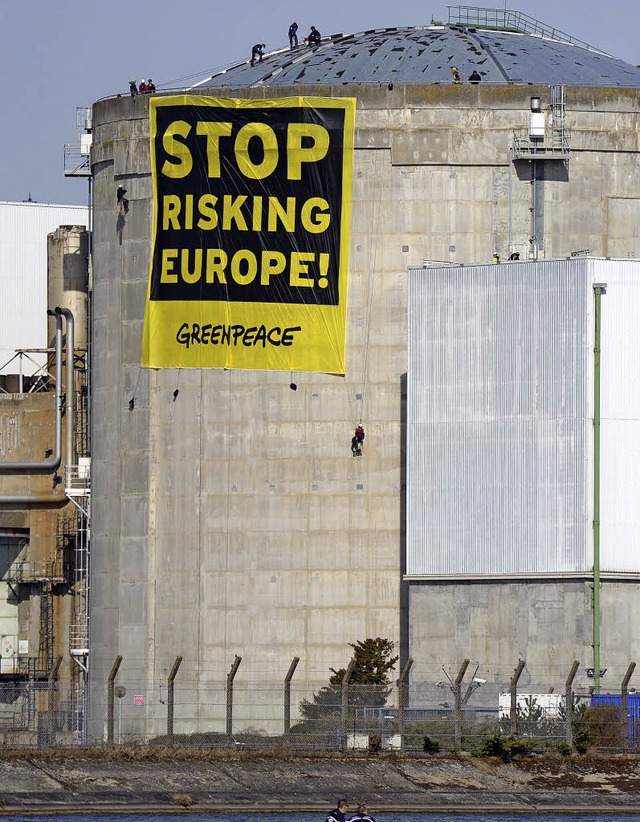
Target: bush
column 440, row 729
column 505, row 747
column 599, row 726
column 430, row 746
column 563, row 748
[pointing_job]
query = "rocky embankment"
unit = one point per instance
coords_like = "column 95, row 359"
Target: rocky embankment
column 169, row 781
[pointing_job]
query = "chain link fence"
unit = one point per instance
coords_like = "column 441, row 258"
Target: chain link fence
column 451, row 715
column 33, row 713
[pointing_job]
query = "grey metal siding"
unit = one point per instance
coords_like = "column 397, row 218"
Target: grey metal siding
column 497, row 419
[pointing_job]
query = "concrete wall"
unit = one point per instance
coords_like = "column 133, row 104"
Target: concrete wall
column 546, row 623
column 233, row 519
column 68, row 278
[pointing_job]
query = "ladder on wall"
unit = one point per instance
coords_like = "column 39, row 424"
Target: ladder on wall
column 559, row 138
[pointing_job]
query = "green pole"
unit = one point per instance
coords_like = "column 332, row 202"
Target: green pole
column 599, row 289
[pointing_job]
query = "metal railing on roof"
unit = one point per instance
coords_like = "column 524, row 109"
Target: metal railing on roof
column 76, row 161
column 33, row 376
column 524, row 148
column 25, row 571
column 77, row 478
column 509, row 20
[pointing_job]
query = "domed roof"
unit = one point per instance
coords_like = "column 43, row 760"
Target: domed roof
column 424, row 55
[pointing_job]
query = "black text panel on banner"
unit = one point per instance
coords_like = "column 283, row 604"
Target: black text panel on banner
column 252, row 203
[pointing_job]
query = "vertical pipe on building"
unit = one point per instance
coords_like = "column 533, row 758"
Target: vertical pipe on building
column 598, row 289
column 287, row 694
column 70, row 404
column 510, row 207
column 534, row 227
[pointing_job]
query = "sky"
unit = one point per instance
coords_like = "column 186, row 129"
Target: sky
column 61, row 54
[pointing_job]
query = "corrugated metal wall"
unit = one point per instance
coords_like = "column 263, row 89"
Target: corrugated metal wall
column 620, row 411
column 498, row 429
column 23, row 273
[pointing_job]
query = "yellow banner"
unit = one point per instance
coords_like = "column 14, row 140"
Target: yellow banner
column 251, row 214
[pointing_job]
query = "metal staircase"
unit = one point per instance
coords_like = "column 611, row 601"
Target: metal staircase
column 77, row 480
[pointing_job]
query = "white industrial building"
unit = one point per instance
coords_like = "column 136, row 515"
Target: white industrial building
column 522, row 451
column 23, row 278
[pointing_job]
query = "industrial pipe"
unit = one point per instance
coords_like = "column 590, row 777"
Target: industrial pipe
column 598, row 289
column 70, row 393
column 33, row 500
column 20, row 501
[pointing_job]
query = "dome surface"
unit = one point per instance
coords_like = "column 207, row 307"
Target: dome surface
column 424, row 55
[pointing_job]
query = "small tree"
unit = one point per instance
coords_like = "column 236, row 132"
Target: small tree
column 373, row 661
column 531, row 718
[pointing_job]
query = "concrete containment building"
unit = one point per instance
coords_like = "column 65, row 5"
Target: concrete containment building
column 229, row 517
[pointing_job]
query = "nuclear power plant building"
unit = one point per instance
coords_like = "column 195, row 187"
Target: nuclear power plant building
column 484, row 203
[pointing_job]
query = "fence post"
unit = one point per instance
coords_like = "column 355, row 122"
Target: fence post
column 51, row 696
column 401, row 698
column 513, row 690
column 172, row 676
column 624, row 692
column 230, row 677
column 457, row 707
column 287, row 694
column 345, row 704
column 110, row 697
column 568, row 700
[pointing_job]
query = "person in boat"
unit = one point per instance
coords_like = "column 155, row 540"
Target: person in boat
column 362, row 815
column 339, row 814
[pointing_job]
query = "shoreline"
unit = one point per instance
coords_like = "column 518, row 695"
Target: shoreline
column 141, row 810
column 213, row 812
column 175, row 781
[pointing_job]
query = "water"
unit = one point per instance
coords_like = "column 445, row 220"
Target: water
column 318, row 817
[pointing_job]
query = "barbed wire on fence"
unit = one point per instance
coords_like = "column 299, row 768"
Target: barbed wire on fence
column 452, row 712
